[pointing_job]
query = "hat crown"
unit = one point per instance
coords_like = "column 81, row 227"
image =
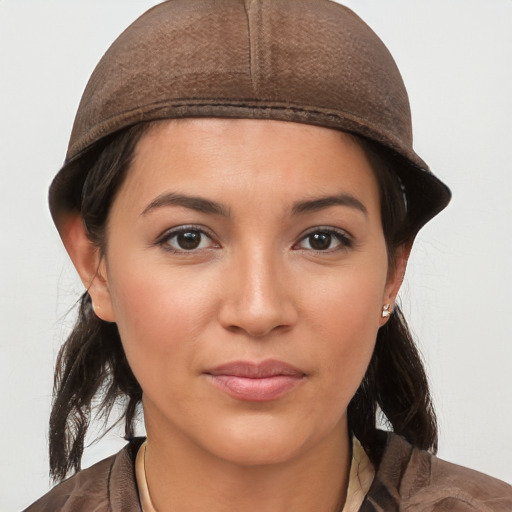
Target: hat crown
column 306, row 61
column 200, row 57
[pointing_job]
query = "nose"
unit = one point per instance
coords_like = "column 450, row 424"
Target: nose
column 258, row 297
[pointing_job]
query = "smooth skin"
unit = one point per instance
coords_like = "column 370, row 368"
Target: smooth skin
column 244, row 240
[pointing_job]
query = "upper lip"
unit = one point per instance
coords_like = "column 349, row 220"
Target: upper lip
column 261, row 370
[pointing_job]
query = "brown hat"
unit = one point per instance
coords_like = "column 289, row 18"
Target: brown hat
column 307, row 61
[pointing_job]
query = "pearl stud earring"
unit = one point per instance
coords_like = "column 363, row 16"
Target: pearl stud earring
column 386, row 310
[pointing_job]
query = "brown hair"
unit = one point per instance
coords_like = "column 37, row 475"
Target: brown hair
column 92, row 373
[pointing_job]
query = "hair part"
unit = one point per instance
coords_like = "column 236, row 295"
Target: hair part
column 92, row 373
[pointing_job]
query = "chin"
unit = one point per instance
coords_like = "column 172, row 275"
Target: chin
column 257, row 451
column 263, row 440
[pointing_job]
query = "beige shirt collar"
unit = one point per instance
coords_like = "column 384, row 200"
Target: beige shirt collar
column 360, row 479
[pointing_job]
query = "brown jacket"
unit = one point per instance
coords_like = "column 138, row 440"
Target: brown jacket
column 408, row 479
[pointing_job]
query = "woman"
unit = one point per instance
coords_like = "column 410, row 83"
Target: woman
column 240, row 197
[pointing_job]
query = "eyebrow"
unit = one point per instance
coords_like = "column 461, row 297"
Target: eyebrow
column 192, row 202
column 327, row 201
column 208, row 206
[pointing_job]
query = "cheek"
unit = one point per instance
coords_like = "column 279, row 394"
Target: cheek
column 346, row 323
column 159, row 313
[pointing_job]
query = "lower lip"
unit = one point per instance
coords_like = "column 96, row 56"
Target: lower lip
column 256, row 390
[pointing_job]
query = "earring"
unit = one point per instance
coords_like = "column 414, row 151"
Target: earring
column 386, row 310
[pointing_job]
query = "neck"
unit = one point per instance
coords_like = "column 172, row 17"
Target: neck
column 183, row 476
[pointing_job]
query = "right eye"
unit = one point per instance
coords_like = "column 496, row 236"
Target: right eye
column 186, row 239
column 326, row 240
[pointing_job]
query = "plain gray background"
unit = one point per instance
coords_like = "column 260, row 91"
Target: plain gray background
column 455, row 57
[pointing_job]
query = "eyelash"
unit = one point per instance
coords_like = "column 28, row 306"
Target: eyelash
column 343, row 239
column 165, row 238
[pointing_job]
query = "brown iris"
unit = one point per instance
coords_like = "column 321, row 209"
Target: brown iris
column 189, row 240
column 320, row 241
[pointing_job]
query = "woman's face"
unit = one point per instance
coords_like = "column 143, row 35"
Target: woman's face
column 246, row 270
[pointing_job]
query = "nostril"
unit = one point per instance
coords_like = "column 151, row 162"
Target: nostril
column 257, row 324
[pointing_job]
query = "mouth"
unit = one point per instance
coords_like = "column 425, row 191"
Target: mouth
column 256, row 382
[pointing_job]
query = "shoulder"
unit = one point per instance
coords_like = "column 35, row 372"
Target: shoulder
column 108, row 486
column 418, row 481
column 441, row 485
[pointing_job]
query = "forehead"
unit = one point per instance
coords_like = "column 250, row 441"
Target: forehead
column 228, row 159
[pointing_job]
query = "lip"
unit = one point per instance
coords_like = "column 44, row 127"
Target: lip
column 256, row 382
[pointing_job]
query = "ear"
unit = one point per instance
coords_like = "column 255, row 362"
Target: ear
column 395, row 278
column 89, row 263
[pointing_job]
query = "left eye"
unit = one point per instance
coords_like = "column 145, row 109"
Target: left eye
column 324, row 240
column 187, row 240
